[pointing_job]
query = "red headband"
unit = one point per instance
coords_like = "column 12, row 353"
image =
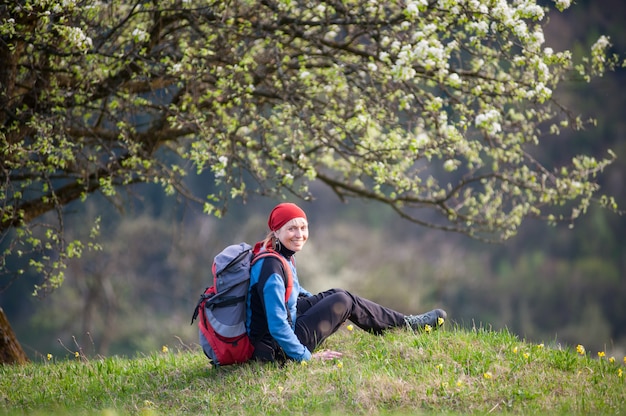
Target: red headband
column 283, row 213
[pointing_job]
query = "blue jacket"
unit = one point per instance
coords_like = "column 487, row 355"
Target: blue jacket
column 267, row 312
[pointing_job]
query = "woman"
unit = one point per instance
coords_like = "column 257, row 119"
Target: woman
column 292, row 330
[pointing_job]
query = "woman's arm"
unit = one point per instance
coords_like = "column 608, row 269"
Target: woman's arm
column 277, row 319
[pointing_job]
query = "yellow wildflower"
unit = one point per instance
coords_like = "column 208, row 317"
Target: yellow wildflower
column 601, row 354
column 580, row 349
column 526, row 355
column 340, row 364
column 303, row 363
column 76, row 354
column 620, row 373
column 540, row 346
column 459, row 383
column 440, row 321
column 514, row 350
column 350, row 327
column 624, row 360
column 612, row 360
column 49, row 357
column 488, row 375
column 164, row 348
column 428, row 328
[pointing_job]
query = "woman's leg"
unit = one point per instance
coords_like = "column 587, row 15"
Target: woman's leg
column 321, row 315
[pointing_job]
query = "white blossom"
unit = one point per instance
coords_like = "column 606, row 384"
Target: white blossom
column 422, row 140
column 489, row 121
column 519, row 60
column 454, row 80
column 562, row 4
column 540, row 92
column 521, row 30
column 601, row 44
column 220, row 169
column 536, row 40
column 450, row 165
column 412, row 8
column 531, row 10
column 140, row 35
column 543, row 72
column 77, row 37
column 331, row 34
column 176, row 68
column 481, row 28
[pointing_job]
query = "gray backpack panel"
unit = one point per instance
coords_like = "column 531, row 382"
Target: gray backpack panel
column 232, row 277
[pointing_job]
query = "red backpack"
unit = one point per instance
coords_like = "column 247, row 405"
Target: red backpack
column 222, row 307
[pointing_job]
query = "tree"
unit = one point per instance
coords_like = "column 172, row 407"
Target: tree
column 11, row 351
column 435, row 108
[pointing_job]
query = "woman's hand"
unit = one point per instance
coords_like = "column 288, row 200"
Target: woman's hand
column 326, row 355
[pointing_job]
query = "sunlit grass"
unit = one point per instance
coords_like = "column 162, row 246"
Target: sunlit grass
column 452, row 371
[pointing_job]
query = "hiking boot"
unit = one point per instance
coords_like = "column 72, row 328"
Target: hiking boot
column 434, row 319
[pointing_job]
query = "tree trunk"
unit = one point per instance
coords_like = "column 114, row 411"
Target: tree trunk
column 11, row 351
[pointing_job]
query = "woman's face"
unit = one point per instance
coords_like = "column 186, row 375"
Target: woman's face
column 294, row 234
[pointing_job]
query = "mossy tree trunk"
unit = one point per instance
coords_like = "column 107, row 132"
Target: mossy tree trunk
column 11, row 351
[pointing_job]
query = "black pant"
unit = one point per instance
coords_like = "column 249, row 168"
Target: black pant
column 319, row 316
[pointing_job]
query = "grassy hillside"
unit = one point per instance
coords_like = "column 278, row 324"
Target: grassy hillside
column 452, row 371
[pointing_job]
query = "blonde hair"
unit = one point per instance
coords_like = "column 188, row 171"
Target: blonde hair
column 271, row 239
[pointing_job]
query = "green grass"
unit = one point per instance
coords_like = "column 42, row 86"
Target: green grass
column 453, row 371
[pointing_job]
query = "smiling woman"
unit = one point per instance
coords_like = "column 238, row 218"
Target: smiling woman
column 291, row 330
column 290, row 223
column 294, row 234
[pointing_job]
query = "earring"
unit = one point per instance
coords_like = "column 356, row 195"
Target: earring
column 277, row 245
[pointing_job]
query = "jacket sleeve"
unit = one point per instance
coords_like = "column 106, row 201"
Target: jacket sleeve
column 277, row 319
column 304, row 292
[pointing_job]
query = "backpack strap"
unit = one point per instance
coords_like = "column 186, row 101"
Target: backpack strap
column 287, row 274
column 203, row 297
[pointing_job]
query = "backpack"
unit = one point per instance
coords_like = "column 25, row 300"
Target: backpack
column 222, row 307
